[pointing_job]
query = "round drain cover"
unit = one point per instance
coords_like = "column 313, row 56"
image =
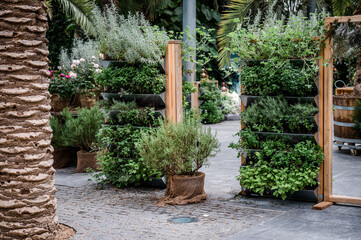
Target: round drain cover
column 183, row 220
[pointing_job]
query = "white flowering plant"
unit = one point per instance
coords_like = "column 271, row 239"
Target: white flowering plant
column 84, row 72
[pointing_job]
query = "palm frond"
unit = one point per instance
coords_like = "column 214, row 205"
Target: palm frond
column 340, row 6
column 237, row 9
column 80, row 11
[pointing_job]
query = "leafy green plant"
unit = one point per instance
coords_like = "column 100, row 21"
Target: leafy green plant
column 82, row 130
column 280, row 170
column 276, row 78
column 271, row 114
column 210, row 108
column 130, row 39
column 61, row 84
column 121, row 163
column 275, row 38
column 84, row 73
column 178, row 148
column 132, row 79
column 229, row 106
column 138, row 117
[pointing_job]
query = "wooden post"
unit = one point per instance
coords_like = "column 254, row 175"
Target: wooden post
column 195, row 96
column 174, row 101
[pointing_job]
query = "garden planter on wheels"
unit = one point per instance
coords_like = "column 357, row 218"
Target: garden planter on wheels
column 344, row 133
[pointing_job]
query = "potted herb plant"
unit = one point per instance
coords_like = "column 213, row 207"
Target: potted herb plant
column 63, row 152
column 83, row 130
column 61, row 88
column 85, row 72
column 179, row 150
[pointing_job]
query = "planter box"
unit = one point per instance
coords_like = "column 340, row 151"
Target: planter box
column 155, row 183
column 247, row 100
column 302, row 195
column 143, row 100
column 112, row 114
column 292, row 137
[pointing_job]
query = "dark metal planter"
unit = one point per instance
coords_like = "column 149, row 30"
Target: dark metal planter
column 247, row 100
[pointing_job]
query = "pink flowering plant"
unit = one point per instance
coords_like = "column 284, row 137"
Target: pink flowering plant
column 84, row 72
column 61, row 83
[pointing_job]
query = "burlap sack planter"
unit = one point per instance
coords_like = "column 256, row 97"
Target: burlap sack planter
column 63, row 156
column 57, row 103
column 184, row 189
column 87, row 160
column 87, row 101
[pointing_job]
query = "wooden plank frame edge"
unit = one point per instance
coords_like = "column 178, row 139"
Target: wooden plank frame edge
column 327, row 117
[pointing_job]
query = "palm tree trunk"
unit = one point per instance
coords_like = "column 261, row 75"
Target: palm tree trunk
column 27, row 202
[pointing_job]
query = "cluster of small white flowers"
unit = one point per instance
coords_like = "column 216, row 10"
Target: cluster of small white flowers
column 72, row 74
column 96, row 66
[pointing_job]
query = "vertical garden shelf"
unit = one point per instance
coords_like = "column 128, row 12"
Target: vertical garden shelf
column 311, row 192
column 131, row 114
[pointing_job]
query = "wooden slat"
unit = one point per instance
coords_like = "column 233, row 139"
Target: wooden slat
column 174, row 81
column 344, row 199
column 322, row 205
column 345, row 19
column 327, row 128
column 178, row 81
column 320, row 104
column 195, row 97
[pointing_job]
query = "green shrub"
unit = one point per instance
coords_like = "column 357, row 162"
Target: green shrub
column 210, row 111
column 276, row 78
column 281, row 170
column 130, row 39
column 81, row 131
column 229, row 106
column 276, row 115
column 178, row 149
column 276, row 38
column 132, row 79
column 121, row 162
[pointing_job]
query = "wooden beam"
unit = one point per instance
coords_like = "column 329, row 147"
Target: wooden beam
column 174, row 101
column 344, row 199
column 327, row 119
column 320, row 104
column 195, row 96
column 322, row 205
column 344, row 19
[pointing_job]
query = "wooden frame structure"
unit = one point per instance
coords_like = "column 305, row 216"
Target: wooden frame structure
column 325, row 110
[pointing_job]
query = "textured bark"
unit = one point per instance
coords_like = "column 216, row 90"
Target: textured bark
column 27, row 202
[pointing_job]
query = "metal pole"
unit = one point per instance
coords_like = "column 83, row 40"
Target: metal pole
column 189, row 23
column 311, row 7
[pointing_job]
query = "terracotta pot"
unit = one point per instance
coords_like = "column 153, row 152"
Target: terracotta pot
column 63, row 156
column 87, row 160
column 57, row 103
column 184, row 189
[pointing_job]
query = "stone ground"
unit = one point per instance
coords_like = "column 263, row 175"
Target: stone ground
column 132, row 214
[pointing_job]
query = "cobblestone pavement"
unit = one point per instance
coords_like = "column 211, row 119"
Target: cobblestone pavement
column 132, row 214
